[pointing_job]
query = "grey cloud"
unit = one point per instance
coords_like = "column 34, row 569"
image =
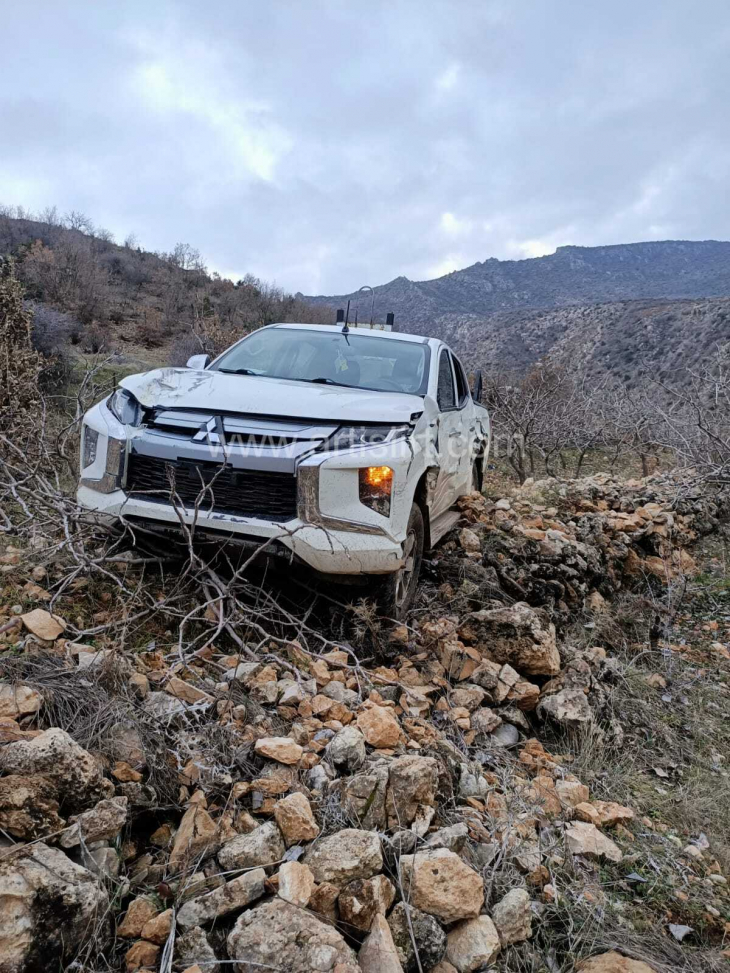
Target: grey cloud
column 321, row 144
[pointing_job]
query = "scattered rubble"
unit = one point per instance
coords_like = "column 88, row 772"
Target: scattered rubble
column 312, row 812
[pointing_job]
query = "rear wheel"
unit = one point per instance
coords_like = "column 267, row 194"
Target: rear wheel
column 395, row 592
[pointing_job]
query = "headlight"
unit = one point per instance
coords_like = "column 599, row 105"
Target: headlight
column 348, row 436
column 125, row 407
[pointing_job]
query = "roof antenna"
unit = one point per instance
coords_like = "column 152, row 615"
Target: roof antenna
column 345, row 329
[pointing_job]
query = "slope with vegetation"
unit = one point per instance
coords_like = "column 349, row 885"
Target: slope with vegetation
column 90, row 293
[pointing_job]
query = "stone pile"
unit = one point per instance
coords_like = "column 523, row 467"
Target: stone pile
column 353, row 818
column 570, row 546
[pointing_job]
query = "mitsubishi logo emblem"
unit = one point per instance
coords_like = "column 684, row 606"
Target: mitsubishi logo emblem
column 211, row 432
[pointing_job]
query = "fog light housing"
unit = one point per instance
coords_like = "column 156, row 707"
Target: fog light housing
column 91, row 441
column 376, row 487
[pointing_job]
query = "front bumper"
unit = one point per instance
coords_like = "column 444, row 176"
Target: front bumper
column 332, row 532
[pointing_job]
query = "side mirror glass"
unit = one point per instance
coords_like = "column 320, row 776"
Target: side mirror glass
column 198, row 361
column 476, row 392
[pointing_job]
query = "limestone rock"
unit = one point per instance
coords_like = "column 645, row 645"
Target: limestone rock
column 197, row 835
column 442, row 885
column 364, row 795
column 294, row 816
column 323, row 901
column 453, row 838
column 605, row 814
column 157, row 930
column 571, row 792
column 139, row 913
column 345, row 856
column 378, row 953
column 48, row 908
column 412, row 782
column 569, row 707
column 231, row 897
column 102, row 823
column 28, row 807
column 519, row 635
column 613, row 962
column 586, row 839
column 469, row 541
column 485, row 721
column 380, row 727
column 43, row 625
column 428, row 934
column 346, row 750
column 193, row 949
column 141, row 956
column 512, row 917
column 19, row 701
column 296, row 883
column 186, row 692
column 277, row 935
column 472, row 945
column 264, row 846
column 281, row 749
column 363, row 899
column 55, row 755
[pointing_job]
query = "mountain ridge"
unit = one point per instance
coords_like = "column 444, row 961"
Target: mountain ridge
column 572, row 275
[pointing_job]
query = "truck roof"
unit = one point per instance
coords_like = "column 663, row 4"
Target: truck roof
column 399, row 335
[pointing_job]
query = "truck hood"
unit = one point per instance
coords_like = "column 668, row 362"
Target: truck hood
column 186, row 388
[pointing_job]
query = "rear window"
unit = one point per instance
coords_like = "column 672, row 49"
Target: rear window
column 352, row 360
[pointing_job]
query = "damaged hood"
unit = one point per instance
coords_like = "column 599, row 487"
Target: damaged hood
column 186, row 388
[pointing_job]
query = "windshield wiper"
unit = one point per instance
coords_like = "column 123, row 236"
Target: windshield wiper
column 237, row 371
column 327, row 381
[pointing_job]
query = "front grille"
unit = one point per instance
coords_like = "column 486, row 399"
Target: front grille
column 259, row 494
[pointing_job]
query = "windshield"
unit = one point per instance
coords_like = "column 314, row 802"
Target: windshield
column 331, row 358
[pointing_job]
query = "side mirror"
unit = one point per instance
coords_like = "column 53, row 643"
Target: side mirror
column 199, row 361
column 476, row 392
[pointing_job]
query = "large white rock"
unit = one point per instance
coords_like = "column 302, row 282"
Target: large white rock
column 440, row 883
column 378, row 953
column 280, row 936
column 231, row 897
column 473, row 944
column 512, row 916
column 55, row 755
column 48, row 907
column 264, row 846
column 345, row 856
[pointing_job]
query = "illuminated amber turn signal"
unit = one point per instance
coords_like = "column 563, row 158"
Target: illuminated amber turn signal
column 376, row 484
column 379, row 477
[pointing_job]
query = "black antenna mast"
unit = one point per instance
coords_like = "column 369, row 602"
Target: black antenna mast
column 345, row 329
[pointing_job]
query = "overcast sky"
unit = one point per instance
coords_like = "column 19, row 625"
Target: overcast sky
column 326, row 144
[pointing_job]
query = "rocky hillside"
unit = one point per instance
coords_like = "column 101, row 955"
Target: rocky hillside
column 572, row 275
column 483, row 788
column 614, row 310
column 626, row 341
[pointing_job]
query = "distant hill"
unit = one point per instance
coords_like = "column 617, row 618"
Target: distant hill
column 571, row 275
column 616, row 310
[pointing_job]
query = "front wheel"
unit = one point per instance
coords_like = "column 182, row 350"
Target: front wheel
column 395, row 592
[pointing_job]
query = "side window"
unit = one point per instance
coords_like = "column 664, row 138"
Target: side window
column 462, row 386
column 445, row 393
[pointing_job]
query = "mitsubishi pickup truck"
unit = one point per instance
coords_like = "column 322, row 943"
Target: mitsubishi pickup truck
column 343, row 449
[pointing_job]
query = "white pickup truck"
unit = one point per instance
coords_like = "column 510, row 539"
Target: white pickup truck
column 343, row 448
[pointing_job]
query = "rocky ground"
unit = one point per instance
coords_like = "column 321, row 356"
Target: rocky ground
column 532, row 775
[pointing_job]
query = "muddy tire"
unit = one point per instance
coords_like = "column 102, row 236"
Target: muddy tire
column 394, row 593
